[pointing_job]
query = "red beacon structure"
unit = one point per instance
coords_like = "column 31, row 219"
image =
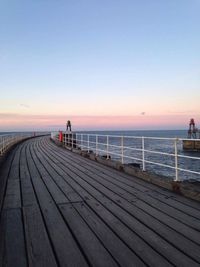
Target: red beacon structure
column 193, row 131
column 193, row 144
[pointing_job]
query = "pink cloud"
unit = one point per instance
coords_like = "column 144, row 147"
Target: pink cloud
column 52, row 122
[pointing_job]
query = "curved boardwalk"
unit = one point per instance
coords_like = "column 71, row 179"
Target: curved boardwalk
column 60, row 209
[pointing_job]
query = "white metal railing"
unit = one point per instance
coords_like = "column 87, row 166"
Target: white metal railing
column 162, row 153
column 7, row 140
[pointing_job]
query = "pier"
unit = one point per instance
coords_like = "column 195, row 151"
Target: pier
column 61, row 209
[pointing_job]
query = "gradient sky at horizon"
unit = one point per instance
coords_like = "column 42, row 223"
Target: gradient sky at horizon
column 117, row 64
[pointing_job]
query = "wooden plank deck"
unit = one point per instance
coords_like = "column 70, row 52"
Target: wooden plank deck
column 60, row 209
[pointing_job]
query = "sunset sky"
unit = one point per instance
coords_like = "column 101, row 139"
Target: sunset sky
column 117, row 64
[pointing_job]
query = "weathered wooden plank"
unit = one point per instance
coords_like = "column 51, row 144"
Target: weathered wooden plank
column 96, row 253
column 13, row 196
column 14, row 171
column 65, row 247
column 191, row 208
column 155, row 225
column 4, row 172
column 171, row 198
column 39, row 248
column 129, row 191
column 120, row 180
column 133, row 239
column 162, row 246
column 113, row 215
column 12, row 248
column 190, row 233
column 161, row 195
column 119, row 214
column 55, row 191
column 28, row 195
column 120, row 251
column 156, row 209
column 71, row 194
column 27, row 191
column 68, row 175
column 173, row 207
column 186, row 245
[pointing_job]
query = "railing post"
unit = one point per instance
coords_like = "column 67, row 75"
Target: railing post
column 76, row 136
column 64, row 140
column 72, row 141
column 107, row 146
column 96, row 145
column 143, row 155
column 176, row 159
column 122, row 149
column 81, row 141
column 88, row 143
column 3, row 147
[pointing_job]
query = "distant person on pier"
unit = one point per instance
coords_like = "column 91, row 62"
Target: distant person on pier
column 69, row 126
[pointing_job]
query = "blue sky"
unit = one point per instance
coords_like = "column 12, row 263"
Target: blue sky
column 100, row 58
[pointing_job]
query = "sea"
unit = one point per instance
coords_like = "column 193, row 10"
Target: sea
column 164, row 146
column 132, row 150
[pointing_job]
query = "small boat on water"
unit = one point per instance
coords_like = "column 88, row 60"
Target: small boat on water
column 192, row 143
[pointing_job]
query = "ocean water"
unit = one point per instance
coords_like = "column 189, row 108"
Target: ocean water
column 146, row 133
column 164, row 146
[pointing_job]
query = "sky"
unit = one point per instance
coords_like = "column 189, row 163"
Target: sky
column 104, row 65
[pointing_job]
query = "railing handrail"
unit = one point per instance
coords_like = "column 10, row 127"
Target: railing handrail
column 137, row 137
column 83, row 141
column 9, row 139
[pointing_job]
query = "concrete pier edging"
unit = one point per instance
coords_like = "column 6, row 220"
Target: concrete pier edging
column 189, row 189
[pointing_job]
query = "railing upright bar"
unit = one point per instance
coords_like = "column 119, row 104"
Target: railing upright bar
column 143, row 155
column 76, row 136
column 96, row 145
column 1, row 137
column 88, row 143
column 3, row 145
column 176, row 160
column 81, row 141
column 122, row 149
column 107, row 147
